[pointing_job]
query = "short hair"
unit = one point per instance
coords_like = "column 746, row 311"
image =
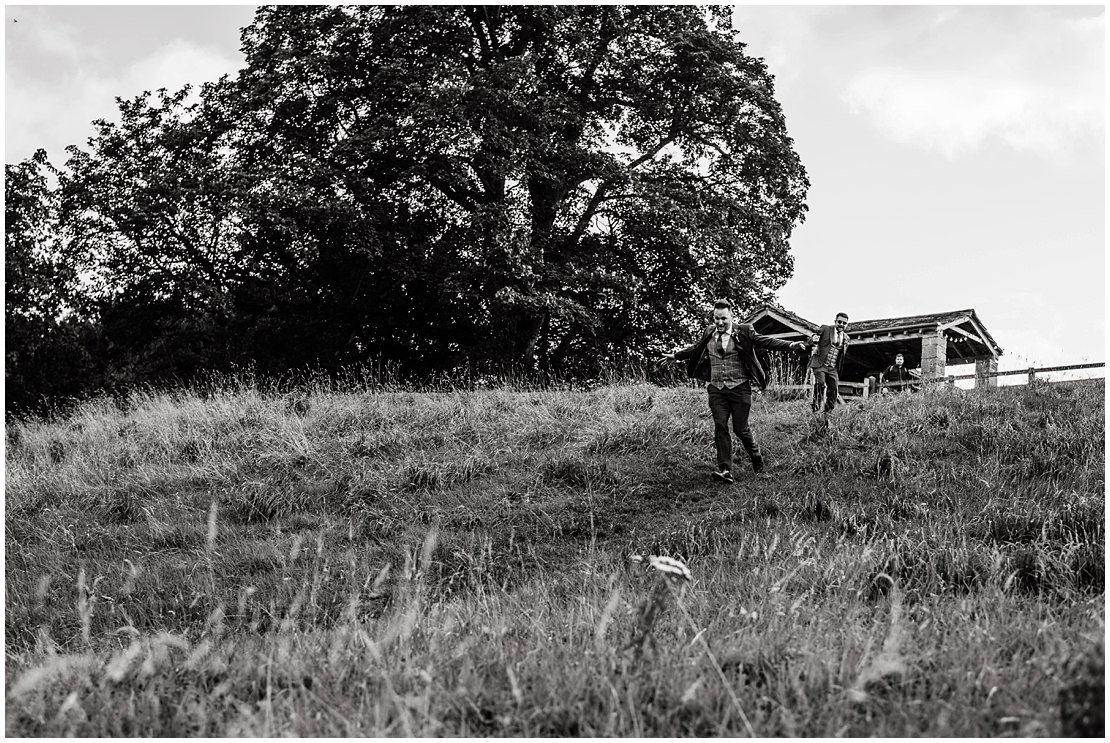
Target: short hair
column 899, row 354
column 842, row 314
column 722, row 304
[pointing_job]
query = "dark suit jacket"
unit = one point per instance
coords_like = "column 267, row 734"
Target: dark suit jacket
column 746, row 339
column 828, row 333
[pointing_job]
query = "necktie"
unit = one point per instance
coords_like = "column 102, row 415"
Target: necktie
column 721, row 343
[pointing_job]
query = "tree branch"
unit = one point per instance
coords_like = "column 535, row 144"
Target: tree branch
column 604, row 40
column 480, row 34
column 603, row 187
column 465, row 197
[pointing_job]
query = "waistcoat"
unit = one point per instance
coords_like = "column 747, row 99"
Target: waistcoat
column 726, row 371
column 834, row 352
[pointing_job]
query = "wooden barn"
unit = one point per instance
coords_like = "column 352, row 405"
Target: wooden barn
column 929, row 343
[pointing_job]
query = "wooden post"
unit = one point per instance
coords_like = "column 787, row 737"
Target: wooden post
column 1032, row 375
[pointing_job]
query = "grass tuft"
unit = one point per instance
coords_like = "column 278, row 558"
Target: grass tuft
column 1082, row 698
column 123, row 505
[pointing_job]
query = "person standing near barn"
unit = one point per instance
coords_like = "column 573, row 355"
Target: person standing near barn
column 724, row 357
column 896, row 372
column 831, row 346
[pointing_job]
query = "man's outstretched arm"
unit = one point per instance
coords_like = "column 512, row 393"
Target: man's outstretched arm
column 680, row 354
column 776, row 344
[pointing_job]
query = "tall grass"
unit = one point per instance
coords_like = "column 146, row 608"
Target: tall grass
column 336, row 560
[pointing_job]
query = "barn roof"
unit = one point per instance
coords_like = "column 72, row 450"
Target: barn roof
column 909, row 321
column 966, row 320
column 912, row 321
column 783, row 316
column 968, row 338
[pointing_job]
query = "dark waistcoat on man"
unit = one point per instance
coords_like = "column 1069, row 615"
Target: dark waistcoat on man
column 831, row 350
column 726, row 365
column 744, row 339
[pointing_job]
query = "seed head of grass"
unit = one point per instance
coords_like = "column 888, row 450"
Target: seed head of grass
column 665, row 565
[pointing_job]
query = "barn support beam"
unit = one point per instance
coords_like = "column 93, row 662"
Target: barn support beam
column 934, row 354
column 863, row 340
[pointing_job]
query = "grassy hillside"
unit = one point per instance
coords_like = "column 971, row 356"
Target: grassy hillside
column 333, row 563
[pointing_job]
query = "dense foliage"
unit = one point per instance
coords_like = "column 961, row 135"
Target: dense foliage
column 46, row 350
column 552, row 189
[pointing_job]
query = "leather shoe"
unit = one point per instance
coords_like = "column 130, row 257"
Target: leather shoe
column 724, row 476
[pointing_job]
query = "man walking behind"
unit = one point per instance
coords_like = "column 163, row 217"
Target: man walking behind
column 826, row 362
column 896, row 372
column 725, row 358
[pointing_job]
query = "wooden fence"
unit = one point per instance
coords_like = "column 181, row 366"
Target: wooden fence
column 1030, row 373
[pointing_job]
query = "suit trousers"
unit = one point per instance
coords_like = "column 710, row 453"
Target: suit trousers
column 735, row 403
column 825, row 384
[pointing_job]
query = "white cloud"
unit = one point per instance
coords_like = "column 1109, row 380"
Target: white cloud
column 950, row 79
column 39, row 32
column 784, row 36
column 60, row 113
column 1035, row 84
column 957, row 113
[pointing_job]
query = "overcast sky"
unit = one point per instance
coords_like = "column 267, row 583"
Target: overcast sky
column 957, row 160
column 956, row 153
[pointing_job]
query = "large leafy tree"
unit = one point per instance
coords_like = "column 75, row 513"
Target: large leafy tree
column 182, row 249
column 150, row 204
column 36, row 278
column 42, row 356
column 563, row 182
column 565, row 186
column 150, row 211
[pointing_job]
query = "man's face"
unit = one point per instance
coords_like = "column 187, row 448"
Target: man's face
column 899, row 360
column 722, row 319
column 841, row 323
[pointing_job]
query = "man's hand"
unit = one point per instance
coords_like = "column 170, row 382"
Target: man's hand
column 797, row 346
column 666, row 357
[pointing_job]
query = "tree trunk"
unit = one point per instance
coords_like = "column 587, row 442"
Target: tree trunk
column 545, row 347
column 528, row 325
column 544, row 195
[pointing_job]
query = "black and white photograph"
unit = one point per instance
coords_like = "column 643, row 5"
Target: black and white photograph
column 554, row 370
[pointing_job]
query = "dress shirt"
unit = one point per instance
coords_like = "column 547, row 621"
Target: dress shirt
column 724, row 337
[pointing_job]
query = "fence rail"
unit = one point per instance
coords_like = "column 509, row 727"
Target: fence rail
column 1031, row 373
